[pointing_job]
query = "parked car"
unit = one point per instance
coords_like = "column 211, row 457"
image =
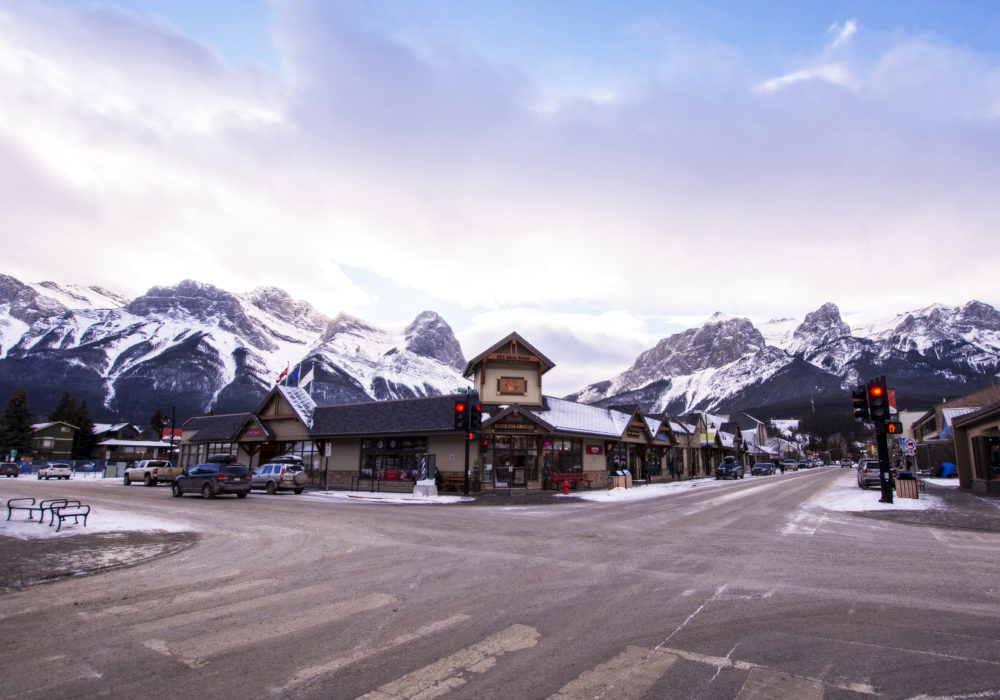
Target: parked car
column 9, row 469
column 55, row 470
column 280, row 474
column 789, row 465
column 846, row 463
column 729, row 469
column 151, row 472
column 868, row 473
column 804, row 464
column 212, row 479
column 762, row 469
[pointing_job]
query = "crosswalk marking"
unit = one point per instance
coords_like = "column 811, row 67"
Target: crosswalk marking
column 244, row 605
column 628, row 675
column 194, row 651
column 188, row 597
column 310, row 672
column 768, row 684
column 446, row 675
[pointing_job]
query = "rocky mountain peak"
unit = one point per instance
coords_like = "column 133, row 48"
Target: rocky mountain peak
column 822, row 326
column 280, row 304
column 430, row 336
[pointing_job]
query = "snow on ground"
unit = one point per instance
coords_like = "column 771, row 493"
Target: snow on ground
column 387, row 498
column 844, row 495
column 100, row 520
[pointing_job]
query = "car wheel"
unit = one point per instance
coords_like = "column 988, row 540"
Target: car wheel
column 148, row 480
column 176, row 489
column 864, row 484
column 298, row 491
column 271, row 488
column 206, row 491
column 126, row 480
column 39, row 477
column 241, row 494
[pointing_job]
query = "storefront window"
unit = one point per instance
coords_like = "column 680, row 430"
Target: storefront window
column 986, row 457
column 512, row 460
column 392, row 459
column 563, row 456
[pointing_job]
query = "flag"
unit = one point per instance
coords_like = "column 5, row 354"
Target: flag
column 294, row 376
column 307, row 380
column 281, row 376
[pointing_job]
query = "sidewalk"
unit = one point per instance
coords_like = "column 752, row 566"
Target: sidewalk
column 964, row 510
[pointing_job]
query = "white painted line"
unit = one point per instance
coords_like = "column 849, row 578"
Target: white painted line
column 444, row 676
column 195, row 650
column 626, row 677
column 310, row 672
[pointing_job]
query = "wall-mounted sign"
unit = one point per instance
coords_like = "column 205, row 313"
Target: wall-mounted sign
column 253, row 432
column 512, row 386
column 513, row 427
column 595, row 450
column 633, row 433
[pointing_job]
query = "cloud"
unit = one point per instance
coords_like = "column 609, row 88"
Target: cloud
column 842, row 35
column 693, row 186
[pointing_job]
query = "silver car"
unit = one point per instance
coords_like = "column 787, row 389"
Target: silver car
column 281, row 474
column 55, row 470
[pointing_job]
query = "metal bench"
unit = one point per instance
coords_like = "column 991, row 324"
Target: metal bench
column 50, row 504
column 77, row 511
column 26, row 504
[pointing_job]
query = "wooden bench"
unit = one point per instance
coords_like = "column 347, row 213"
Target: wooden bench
column 77, row 511
column 574, row 479
column 452, row 480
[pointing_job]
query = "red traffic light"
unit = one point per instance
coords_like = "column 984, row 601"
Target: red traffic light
column 460, row 407
column 877, row 390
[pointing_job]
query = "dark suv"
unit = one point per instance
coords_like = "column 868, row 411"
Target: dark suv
column 9, row 469
column 729, row 469
column 217, row 476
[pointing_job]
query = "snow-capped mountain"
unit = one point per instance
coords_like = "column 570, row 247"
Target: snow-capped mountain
column 728, row 364
column 200, row 348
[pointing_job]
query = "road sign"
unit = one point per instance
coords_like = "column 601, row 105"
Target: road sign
column 911, row 446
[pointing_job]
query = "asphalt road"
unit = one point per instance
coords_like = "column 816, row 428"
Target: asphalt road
column 735, row 590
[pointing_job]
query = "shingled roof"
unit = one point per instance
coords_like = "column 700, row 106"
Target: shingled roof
column 429, row 414
column 224, row 428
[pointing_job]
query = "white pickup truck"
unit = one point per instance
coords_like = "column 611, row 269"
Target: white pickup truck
column 151, row 472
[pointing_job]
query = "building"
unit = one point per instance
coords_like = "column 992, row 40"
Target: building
column 977, row 449
column 524, row 440
column 53, row 441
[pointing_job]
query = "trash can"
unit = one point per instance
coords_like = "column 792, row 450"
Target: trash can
column 616, row 480
column 906, row 485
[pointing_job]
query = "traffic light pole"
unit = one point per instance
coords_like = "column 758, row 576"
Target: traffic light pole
column 884, row 475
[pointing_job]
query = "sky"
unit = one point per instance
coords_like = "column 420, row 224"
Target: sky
column 593, row 175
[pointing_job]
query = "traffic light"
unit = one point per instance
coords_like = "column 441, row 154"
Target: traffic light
column 894, row 428
column 475, row 417
column 860, row 399
column 878, row 399
column 460, row 416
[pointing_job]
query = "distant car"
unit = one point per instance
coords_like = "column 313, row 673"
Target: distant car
column 729, row 469
column 804, row 464
column 846, row 463
column 789, row 464
column 280, row 474
column 55, row 470
column 762, row 469
column 213, row 479
column 9, row 469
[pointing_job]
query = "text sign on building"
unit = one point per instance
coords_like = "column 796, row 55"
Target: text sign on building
column 253, row 432
column 594, row 450
column 512, row 427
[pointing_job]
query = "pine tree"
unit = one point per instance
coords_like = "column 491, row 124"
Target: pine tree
column 15, row 428
column 85, row 438
column 159, row 422
column 66, row 410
